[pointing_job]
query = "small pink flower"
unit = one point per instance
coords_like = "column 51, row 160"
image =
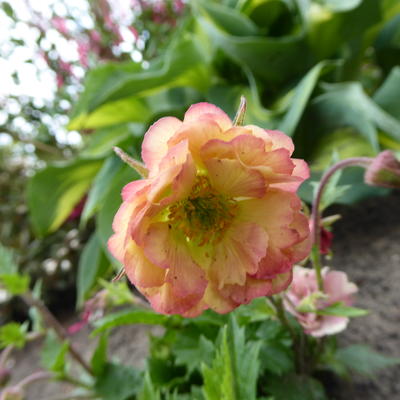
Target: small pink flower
column 303, row 296
column 217, row 222
column 60, row 24
column 384, row 170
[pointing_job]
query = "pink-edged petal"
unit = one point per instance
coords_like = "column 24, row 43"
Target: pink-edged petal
column 329, row 325
column 131, row 189
column 338, row 287
column 140, row 271
column 238, row 254
column 165, row 300
column 217, row 302
column 257, row 287
column 200, row 111
column 229, row 177
column 300, row 173
column 281, row 140
column 155, row 141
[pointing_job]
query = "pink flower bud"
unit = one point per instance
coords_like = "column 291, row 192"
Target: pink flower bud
column 384, row 170
column 4, row 376
column 303, row 299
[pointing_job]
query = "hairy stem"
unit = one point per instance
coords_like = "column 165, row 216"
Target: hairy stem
column 316, row 214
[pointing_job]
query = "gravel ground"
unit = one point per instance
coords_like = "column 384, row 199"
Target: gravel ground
column 367, row 247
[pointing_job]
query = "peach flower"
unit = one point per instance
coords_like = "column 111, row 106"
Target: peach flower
column 303, row 296
column 217, row 222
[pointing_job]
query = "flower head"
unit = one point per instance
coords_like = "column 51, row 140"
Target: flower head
column 217, row 221
column 384, row 170
column 303, row 300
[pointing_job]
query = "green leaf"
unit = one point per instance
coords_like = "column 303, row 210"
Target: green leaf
column 53, row 356
column 363, row 360
column 301, row 95
column 346, row 105
column 92, row 264
column 15, row 283
column 112, row 201
column 101, row 186
column 193, row 350
column 99, row 358
column 118, row 382
column 8, row 9
column 8, row 264
column 182, row 65
column 276, row 358
column 274, row 60
column 101, row 142
column 295, row 387
column 148, row 391
column 54, row 191
column 341, row 310
column 234, row 371
column 387, row 96
column 258, row 310
column 127, row 317
column 13, row 334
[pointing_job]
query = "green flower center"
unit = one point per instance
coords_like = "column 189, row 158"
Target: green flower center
column 204, row 215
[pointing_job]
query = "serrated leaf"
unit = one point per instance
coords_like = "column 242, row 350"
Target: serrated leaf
column 53, row 355
column 234, row 371
column 127, row 317
column 277, row 358
column 99, row 358
column 296, row 387
column 193, row 350
column 341, row 310
column 118, row 382
column 148, row 391
column 54, row 191
column 363, row 360
column 13, row 334
column 93, row 263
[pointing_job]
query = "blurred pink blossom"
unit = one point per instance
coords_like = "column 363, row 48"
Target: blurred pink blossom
column 303, row 299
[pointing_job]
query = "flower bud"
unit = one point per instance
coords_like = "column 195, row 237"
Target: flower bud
column 384, row 170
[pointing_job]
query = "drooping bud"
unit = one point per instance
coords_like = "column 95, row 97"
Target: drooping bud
column 4, row 376
column 384, row 170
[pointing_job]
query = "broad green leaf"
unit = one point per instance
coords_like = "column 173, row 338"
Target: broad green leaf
column 345, row 105
column 276, row 358
column 274, row 60
column 341, row 310
column 148, row 391
column 53, row 355
column 54, row 191
column 234, row 371
column 13, row 334
column 387, row 96
column 258, row 310
column 182, row 65
column 296, row 387
column 15, row 283
column 111, row 203
column 8, row 9
column 127, row 317
column 101, row 186
column 93, row 264
column 301, row 95
column 118, row 382
column 101, row 142
column 99, row 358
column 363, row 360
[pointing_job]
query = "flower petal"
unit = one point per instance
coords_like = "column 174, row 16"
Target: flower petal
column 229, row 177
column 200, row 111
column 155, row 141
column 238, row 254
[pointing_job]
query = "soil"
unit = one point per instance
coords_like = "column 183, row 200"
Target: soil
column 366, row 246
